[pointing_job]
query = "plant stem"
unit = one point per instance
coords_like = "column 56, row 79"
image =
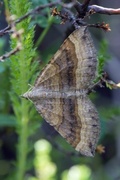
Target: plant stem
column 21, row 73
column 50, row 21
column 23, row 148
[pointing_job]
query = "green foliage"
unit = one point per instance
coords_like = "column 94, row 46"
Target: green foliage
column 23, row 69
column 103, row 56
column 49, row 163
column 45, row 168
column 111, row 112
column 43, row 19
column 7, row 120
column 77, row 172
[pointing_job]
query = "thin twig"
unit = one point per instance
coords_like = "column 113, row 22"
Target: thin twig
column 97, row 84
column 102, row 25
column 15, row 34
column 35, row 11
column 80, row 8
column 7, row 55
column 38, row 9
column 103, row 10
column 5, row 31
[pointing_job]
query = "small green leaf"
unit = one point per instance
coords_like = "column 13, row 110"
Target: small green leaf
column 103, row 56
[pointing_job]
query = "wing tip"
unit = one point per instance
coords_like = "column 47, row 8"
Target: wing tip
column 88, row 153
column 25, row 95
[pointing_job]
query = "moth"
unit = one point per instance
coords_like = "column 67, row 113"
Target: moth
column 60, row 93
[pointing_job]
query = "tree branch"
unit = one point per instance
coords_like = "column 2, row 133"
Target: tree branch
column 15, row 34
column 103, row 10
column 14, row 51
column 35, row 11
column 82, row 9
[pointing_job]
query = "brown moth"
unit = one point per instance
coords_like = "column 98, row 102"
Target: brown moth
column 60, row 92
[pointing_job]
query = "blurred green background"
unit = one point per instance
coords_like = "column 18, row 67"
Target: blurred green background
column 49, row 157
